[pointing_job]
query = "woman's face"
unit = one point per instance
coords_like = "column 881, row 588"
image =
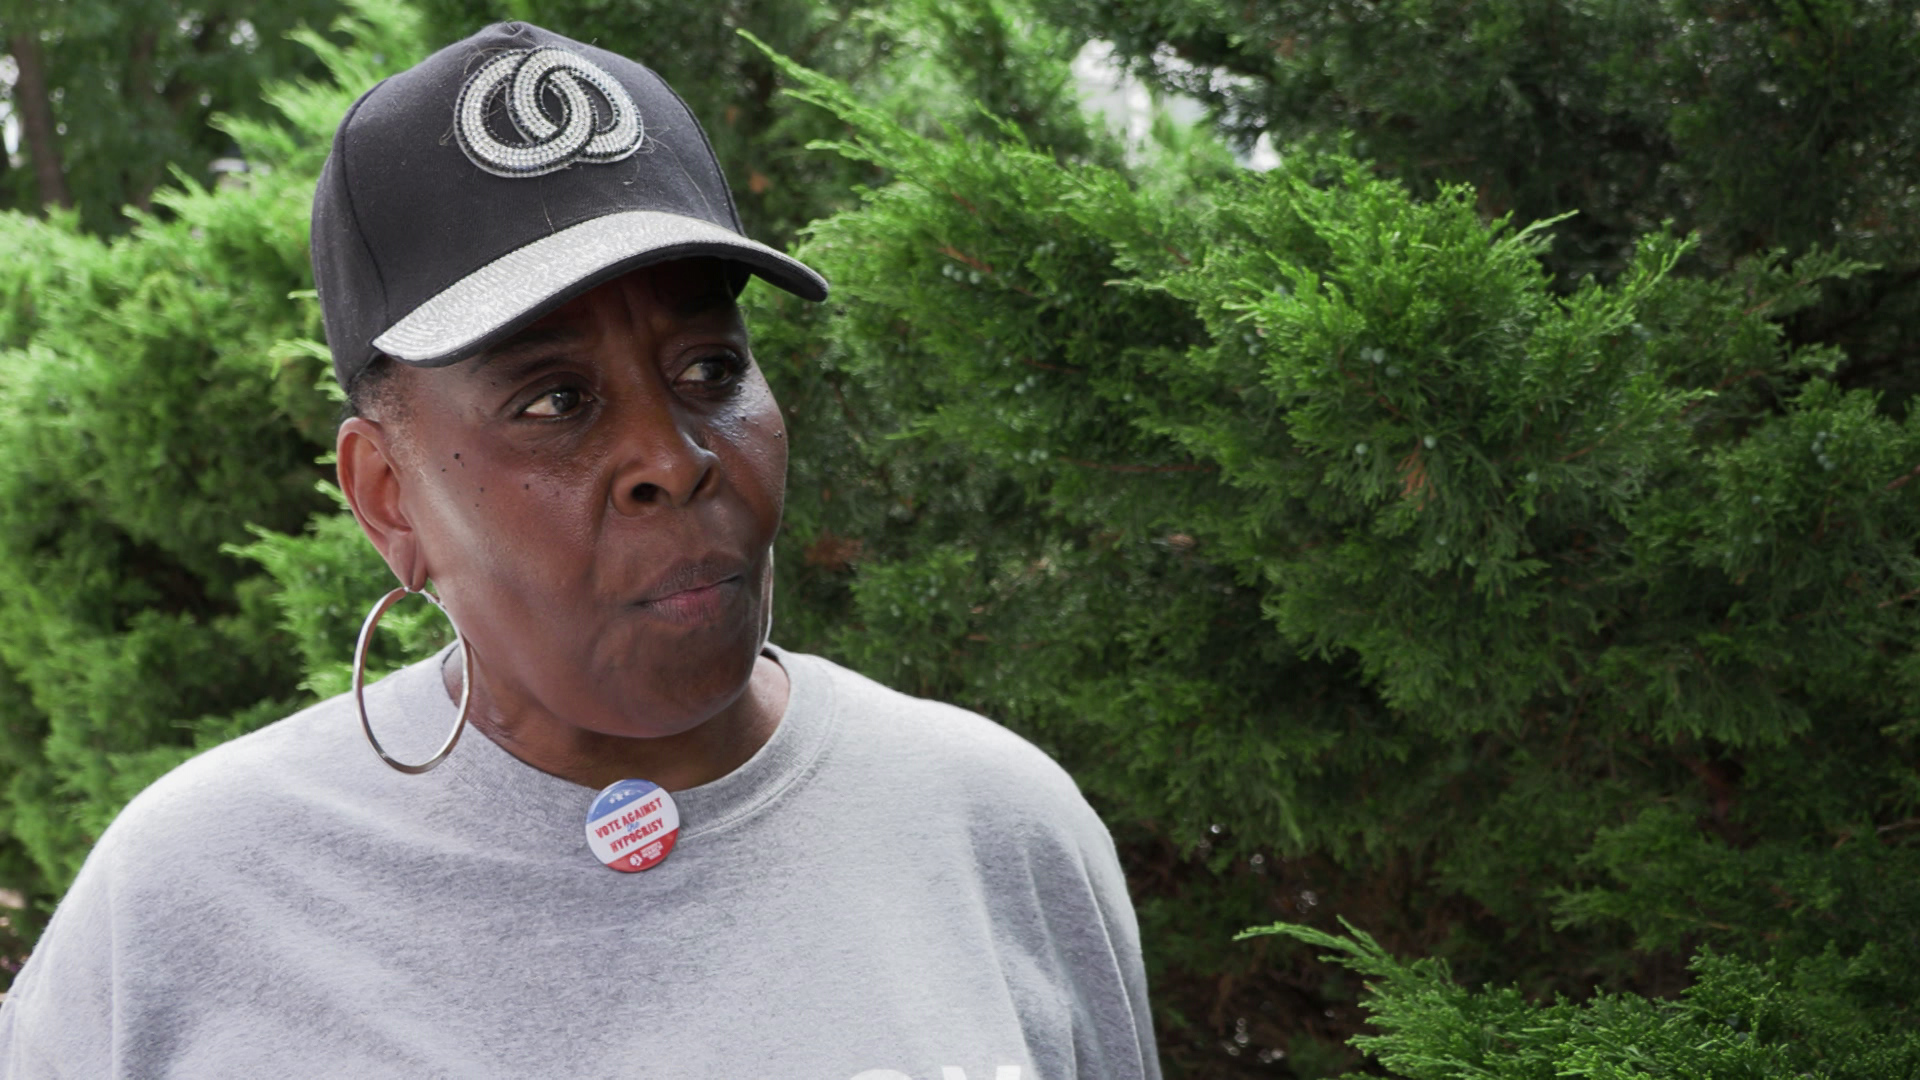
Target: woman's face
column 595, row 500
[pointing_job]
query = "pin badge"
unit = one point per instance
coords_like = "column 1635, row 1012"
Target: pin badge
column 632, row 825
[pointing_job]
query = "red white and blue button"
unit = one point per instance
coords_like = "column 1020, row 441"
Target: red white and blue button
column 632, row 825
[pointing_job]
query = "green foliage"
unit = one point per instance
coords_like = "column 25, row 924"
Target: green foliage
column 1299, row 505
column 324, row 580
column 135, row 86
column 1739, row 1020
column 1756, row 125
column 152, row 413
column 1673, row 886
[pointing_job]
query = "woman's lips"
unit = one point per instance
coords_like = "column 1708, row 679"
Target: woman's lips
column 697, row 606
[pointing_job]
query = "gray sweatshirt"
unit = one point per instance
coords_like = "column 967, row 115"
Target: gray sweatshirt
column 891, row 889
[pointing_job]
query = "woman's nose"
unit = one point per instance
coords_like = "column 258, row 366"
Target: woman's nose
column 663, row 460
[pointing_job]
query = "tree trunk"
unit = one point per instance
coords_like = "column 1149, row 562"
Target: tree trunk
column 138, row 80
column 36, row 119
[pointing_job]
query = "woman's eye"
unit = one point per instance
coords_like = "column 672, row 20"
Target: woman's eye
column 716, row 370
column 555, row 403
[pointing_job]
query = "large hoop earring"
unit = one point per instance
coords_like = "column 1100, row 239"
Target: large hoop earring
column 360, row 679
column 766, row 624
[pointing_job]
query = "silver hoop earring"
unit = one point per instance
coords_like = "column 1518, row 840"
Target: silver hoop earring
column 360, row 680
column 766, row 624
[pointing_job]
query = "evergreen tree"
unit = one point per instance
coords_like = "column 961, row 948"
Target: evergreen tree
column 108, row 97
column 152, row 409
column 1739, row 1020
column 1335, row 542
column 1370, row 539
column 1756, row 125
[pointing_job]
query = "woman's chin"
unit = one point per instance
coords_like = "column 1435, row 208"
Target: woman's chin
column 662, row 701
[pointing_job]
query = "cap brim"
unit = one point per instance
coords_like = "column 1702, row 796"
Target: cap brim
column 523, row 284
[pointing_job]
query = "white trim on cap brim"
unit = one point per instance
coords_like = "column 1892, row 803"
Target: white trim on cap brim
column 470, row 310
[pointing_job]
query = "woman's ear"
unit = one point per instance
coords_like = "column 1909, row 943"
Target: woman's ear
column 370, row 477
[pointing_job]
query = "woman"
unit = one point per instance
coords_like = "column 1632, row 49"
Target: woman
column 675, row 849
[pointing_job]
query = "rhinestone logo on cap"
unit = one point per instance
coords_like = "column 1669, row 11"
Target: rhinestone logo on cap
column 532, row 81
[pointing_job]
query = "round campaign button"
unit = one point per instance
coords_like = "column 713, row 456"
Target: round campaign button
column 632, row 825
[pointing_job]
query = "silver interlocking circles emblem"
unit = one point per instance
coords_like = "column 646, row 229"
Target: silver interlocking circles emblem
column 561, row 106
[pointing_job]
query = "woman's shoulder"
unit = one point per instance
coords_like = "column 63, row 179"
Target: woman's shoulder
column 217, row 792
column 231, row 795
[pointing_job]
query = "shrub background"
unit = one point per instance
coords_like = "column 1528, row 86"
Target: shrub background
column 1369, row 537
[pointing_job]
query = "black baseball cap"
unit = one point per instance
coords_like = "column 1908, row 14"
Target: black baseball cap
column 500, row 177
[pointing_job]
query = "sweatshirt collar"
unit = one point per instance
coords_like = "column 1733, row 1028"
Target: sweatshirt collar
column 556, row 808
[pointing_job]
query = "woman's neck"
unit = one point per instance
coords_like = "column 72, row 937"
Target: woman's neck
column 592, row 759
